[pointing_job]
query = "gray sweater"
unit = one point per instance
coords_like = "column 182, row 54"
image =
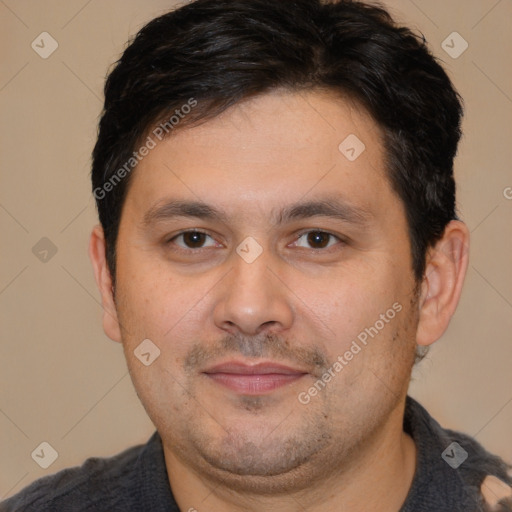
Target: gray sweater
column 450, row 473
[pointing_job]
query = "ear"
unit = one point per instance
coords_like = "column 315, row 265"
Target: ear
column 103, row 278
column 446, row 267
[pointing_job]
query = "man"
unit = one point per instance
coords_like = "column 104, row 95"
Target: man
column 278, row 245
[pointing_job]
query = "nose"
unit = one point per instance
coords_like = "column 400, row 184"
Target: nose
column 253, row 298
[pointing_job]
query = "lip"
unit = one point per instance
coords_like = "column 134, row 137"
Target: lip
column 253, row 379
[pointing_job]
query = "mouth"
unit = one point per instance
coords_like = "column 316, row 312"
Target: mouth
column 253, row 379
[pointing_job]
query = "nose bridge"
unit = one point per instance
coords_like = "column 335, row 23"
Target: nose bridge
column 252, row 296
column 249, row 280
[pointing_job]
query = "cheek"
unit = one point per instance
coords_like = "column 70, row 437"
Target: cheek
column 148, row 298
column 164, row 307
column 344, row 303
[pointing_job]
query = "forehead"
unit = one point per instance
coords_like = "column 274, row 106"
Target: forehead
column 266, row 150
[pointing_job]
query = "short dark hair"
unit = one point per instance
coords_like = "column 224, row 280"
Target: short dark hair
column 218, row 53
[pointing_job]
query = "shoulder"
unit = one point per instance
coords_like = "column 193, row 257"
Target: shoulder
column 95, row 485
column 454, row 468
column 487, row 474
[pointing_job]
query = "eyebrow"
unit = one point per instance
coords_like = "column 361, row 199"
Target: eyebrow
column 332, row 207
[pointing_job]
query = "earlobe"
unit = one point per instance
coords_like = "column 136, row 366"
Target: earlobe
column 446, row 267
column 103, row 278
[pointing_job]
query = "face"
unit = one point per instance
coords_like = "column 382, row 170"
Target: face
column 272, row 269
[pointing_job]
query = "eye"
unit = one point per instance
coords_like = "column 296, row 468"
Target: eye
column 193, row 239
column 317, row 239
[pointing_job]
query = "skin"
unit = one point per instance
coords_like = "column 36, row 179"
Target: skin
column 301, row 302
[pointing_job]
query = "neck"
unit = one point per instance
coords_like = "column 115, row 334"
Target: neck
column 377, row 478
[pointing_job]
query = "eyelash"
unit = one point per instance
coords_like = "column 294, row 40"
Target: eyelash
column 299, row 235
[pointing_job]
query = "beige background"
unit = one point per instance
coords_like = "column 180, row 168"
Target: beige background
column 61, row 379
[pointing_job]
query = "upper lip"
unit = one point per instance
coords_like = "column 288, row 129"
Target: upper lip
column 260, row 368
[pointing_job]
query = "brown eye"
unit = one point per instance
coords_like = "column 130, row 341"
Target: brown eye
column 192, row 240
column 317, row 239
